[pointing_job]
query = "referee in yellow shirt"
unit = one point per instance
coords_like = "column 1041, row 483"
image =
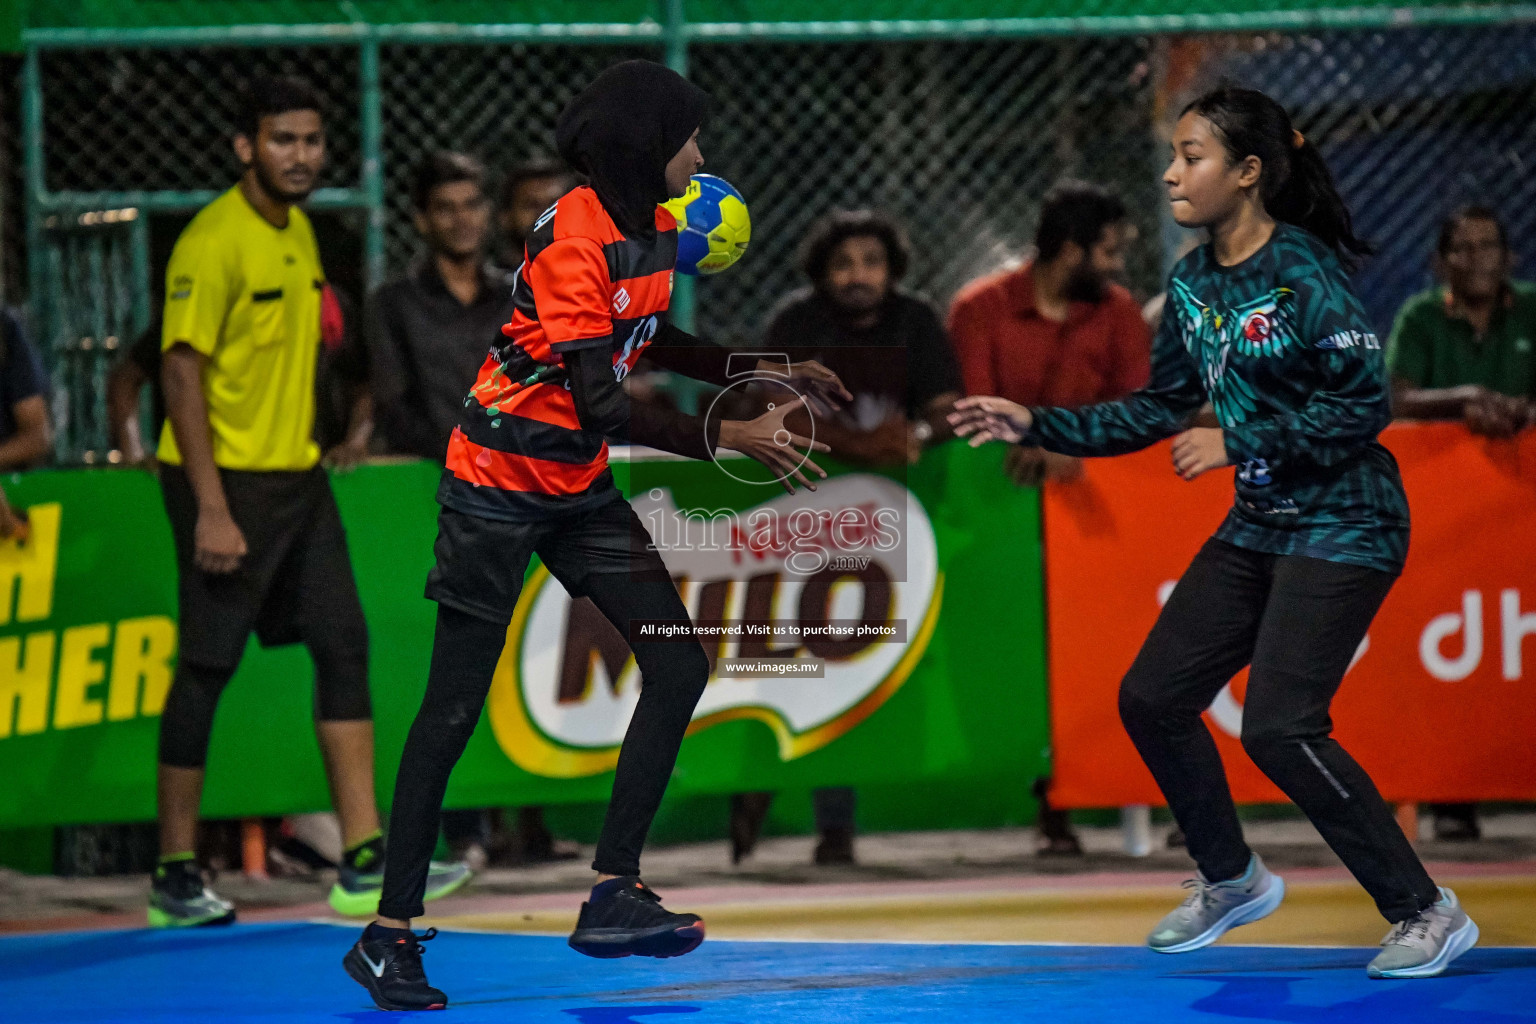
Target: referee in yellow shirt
column 259, row 540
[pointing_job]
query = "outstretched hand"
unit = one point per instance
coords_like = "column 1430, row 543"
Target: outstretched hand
column 984, row 418
column 1198, row 450
column 823, row 389
column 770, row 442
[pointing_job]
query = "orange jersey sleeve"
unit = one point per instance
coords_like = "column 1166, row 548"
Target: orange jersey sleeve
column 572, row 292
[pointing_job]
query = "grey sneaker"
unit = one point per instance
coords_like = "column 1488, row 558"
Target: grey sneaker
column 179, row 899
column 1211, row 909
column 356, row 893
column 1426, row 943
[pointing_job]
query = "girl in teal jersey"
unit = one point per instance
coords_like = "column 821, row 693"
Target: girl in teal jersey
column 1261, row 322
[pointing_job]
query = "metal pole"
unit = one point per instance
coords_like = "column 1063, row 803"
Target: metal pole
column 675, row 31
column 1382, row 16
column 32, row 160
column 373, row 161
column 139, row 271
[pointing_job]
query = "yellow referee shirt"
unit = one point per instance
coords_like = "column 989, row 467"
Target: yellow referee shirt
column 247, row 295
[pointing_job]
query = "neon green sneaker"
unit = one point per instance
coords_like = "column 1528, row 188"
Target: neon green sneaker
column 179, row 899
column 357, row 891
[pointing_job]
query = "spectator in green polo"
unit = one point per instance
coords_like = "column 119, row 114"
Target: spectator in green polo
column 1464, row 350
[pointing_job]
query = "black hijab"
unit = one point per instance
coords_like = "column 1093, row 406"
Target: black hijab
column 621, row 131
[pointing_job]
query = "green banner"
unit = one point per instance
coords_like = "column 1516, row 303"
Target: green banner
column 955, row 694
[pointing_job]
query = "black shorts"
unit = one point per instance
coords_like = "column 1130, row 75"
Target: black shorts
column 481, row 562
column 295, row 582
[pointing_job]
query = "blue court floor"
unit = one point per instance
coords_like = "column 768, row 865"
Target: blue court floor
column 292, row 973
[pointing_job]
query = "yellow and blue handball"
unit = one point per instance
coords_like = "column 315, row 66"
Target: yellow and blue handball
column 713, row 225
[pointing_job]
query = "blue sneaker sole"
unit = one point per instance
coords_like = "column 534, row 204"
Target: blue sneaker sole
column 1247, row 913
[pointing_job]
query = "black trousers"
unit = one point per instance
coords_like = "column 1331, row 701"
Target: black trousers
column 1297, row 622
column 579, row 551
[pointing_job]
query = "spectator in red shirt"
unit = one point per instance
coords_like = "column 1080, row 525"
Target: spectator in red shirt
column 1058, row 330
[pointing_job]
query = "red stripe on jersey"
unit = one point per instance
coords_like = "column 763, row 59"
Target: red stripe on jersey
column 649, row 294
column 528, row 337
column 475, row 464
column 547, row 403
column 491, row 384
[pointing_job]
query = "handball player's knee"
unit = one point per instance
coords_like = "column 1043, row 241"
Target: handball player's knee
column 1137, row 712
column 1266, row 743
column 693, row 669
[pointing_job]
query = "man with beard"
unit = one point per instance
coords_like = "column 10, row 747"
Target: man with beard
column 886, row 344
column 259, row 541
column 889, row 348
column 1058, row 330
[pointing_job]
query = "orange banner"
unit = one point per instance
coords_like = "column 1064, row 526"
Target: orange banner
column 1439, row 704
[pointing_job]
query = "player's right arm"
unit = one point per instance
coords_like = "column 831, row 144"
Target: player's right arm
column 570, row 280
column 198, row 296
column 1159, row 410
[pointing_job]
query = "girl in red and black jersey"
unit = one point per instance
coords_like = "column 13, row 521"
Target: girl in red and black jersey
column 527, row 473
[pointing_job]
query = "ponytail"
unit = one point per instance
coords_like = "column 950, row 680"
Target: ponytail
column 1295, row 182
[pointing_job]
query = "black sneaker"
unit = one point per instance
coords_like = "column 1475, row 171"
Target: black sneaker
column 390, row 969
column 631, row 921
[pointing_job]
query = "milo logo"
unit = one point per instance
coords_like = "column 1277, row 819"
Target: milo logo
column 844, row 581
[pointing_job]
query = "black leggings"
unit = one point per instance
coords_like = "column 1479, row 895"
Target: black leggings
column 186, row 724
column 464, row 655
column 1297, row 621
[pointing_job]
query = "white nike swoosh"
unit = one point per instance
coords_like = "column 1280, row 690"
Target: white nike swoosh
column 377, row 968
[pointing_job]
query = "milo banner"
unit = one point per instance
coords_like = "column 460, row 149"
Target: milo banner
column 879, row 630
column 1437, row 703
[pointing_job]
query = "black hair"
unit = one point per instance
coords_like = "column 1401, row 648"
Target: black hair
column 270, row 95
column 836, row 228
column 444, row 168
column 1462, row 214
column 1075, row 211
column 1295, row 183
column 532, row 170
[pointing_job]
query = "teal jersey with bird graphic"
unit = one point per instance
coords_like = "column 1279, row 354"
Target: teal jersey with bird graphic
column 1284, row 352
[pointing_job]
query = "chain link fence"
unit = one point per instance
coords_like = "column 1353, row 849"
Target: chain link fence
column 161, row 120
column 1413, row 124
column 957, row 138
column 499, row 103
column 12, row 210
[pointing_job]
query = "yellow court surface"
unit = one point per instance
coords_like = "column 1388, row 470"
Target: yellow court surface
column 1323, row 912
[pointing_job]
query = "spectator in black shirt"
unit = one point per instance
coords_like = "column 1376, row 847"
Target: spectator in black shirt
column 429, row 330
column 26, row 438
column 890, row 349
column 887, row 345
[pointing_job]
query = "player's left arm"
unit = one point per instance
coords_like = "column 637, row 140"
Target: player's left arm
column 1352, row 402
column 676, row 350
